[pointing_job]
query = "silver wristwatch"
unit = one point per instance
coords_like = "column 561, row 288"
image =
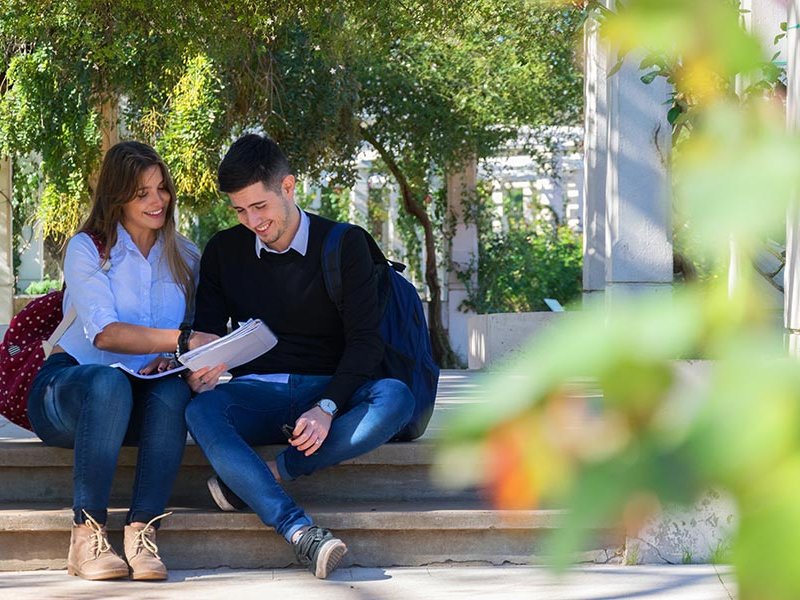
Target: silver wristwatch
column 328, row 406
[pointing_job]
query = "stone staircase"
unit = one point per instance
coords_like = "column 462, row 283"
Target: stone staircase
column 384, row 505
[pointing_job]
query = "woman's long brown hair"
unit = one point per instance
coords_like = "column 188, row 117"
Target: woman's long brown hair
column 119, row 180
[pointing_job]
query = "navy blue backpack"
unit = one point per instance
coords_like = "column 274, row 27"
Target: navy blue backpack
column 407, row 355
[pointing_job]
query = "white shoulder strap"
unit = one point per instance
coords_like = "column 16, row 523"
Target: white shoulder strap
column 68, row 319
column 50, row 342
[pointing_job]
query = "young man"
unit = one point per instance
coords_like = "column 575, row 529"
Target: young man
column 320, row 379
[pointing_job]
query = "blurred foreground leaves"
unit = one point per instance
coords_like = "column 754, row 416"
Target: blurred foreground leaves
column 662, row 429
column 618, row 411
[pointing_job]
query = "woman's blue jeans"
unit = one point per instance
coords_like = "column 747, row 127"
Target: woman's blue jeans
column 96, row 410
column 231, row 418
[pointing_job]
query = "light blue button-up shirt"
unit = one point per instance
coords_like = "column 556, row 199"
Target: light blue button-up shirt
column 134, row 290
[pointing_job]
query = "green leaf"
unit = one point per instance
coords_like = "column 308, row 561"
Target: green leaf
column 649, row 77
column 613, row 70
column 673, row 114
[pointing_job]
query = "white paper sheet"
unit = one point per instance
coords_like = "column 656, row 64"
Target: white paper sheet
column 152, row 375
column 240, row 346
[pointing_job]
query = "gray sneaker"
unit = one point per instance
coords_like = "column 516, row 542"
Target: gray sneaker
column 320, row 551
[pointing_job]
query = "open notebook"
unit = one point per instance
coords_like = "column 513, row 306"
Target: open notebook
column 250, row 340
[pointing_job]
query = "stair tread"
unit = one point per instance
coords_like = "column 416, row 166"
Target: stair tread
column 456, row 388
column 444, row 514
column 34, row 453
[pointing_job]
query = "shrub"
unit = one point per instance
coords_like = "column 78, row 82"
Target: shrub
column 42, row 287
column 517, row 269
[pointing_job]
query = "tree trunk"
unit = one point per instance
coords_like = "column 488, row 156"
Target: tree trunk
column 442, row 351
column 109, row 134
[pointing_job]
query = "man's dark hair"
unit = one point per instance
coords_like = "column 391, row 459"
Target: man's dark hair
column 250, row 159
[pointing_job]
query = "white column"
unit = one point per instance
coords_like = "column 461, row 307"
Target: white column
column 359, row 197
column 595, row 159
column 792, row 271
column 763, row 18
column 463, row 254
column 638, row 203
column 498, row 212
column 31, row 259
column 6, row 247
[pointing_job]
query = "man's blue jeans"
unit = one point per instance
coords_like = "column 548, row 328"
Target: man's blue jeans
column 97, row 409
column 234, row 416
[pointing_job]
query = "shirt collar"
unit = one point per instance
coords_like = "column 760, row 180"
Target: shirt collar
column 125, row 243
column 299, row 242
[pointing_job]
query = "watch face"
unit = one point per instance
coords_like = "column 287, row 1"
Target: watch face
column 329, row 406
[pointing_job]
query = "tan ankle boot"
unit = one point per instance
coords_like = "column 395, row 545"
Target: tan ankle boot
column 90, row 555
column 142, row 552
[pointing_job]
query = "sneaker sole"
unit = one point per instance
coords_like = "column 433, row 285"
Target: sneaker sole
column 218, row 496
column 329, row 557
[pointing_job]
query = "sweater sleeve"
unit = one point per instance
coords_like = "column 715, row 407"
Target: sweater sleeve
column 363, row 345
column 210, row 314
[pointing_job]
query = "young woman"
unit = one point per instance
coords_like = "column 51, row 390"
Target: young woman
column 130, row 301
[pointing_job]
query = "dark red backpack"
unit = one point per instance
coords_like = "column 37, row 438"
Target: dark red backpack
column 27, row 343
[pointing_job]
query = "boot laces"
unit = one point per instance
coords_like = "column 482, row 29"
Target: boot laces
column 142, row 537
column 99, row 537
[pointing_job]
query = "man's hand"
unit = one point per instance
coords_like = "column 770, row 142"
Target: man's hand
column 310, row 430
column 205, row 379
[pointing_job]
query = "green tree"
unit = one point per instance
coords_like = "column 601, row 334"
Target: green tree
column 190, row 78
column 431, row 103
column 65, row 66
column 428, row 84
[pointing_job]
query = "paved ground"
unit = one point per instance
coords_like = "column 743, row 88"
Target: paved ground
column 688, row 582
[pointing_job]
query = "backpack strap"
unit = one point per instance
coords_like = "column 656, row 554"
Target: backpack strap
column 72, row 314
column 59, row 332
column 332, row 263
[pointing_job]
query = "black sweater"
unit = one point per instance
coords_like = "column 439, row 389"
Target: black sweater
column 288, row 293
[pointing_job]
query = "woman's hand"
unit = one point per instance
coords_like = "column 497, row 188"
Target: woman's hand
column 158, row 365
column 201, row 338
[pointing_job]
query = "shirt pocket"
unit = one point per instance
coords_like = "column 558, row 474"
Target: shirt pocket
column 169, row 304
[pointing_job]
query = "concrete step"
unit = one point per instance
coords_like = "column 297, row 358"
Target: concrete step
column 377, row 534
column 383, row 504
column 29, row 470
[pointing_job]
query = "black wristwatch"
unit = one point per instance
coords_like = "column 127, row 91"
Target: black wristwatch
column 183, row 340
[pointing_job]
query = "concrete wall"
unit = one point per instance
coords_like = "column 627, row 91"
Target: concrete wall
column 495, row 337
column 627, row 219
column 638, row 238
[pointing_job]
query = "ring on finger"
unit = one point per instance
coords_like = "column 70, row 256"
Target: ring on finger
column 318, row 441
